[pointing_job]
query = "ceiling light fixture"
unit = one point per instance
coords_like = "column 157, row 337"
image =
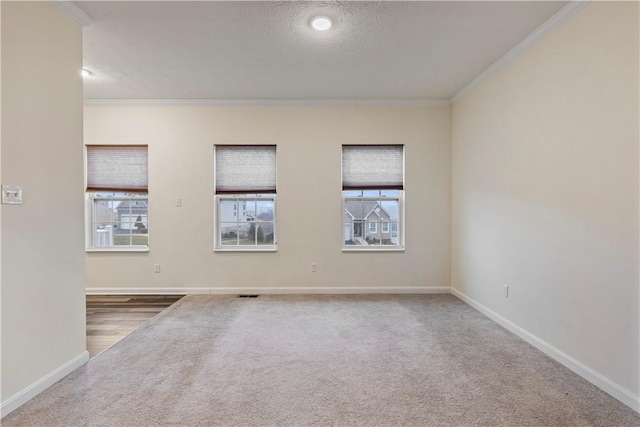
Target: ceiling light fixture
column 321, row 22
column 85, row 72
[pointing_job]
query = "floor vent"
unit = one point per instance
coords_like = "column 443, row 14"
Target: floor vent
column 248, row 296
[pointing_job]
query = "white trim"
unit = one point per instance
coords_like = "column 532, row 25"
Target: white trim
column 269, row 102
column 20, row 398
column 620, row 393
column 74, row 12
column 118, row 249
column 247, row 248
column 217, row 199
column 400, row 221
column 334, row 290
column 539, row 33
column 148, row 291
column 90, row 213
column 270, row 290
column 373, row 248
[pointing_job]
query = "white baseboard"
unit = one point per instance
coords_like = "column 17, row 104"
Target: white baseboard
column 620, row 393
column 268, row 290
column 332, row 290
column 18, row 399
column 148, row 291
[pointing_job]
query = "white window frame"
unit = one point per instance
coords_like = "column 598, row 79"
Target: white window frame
column 367, row 171
column 373, row 227
column 385, row 227
column 218, row 247
column 90, row 219
column 400, row 247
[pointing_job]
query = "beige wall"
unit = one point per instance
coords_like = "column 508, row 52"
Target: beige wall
column 545, row 191
column 42, row 265
column 309, row 139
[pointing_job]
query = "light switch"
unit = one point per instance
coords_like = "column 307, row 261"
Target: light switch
column 11, row 195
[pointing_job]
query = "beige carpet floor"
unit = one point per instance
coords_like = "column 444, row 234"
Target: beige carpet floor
column 403, row 360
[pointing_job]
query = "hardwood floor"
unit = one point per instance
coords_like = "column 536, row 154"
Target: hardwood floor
column 112, row 317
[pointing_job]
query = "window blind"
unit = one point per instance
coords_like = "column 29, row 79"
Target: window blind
column 372, row 167
column 245, row 168
column 117, row 168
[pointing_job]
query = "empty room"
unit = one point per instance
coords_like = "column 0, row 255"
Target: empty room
column 298, row 213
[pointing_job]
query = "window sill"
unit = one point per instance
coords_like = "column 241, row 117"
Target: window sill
column 373, row 249
column 119, row 249
column 246, row 249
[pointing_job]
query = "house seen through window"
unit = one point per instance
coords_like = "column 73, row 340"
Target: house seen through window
column 255, row 226
column 118, row 203
column 120, row 219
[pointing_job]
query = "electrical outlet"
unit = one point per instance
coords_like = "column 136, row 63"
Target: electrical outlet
column 156, row 268
column 11, row 195
column 314, row 267
column 178, row 202
column 505, row 291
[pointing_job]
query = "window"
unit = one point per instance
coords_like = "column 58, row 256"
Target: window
column 245, row 197
column 373, row 196
column 119, row 220
column 118, row 204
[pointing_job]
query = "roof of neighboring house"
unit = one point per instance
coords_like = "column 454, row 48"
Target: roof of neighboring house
column 266, row 216
column 360, row 210
column 134, row 204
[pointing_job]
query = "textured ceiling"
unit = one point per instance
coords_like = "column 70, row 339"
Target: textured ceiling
column 267, row 50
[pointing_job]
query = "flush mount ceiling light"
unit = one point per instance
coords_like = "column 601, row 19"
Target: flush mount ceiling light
column 321, row 22
column 85, row 72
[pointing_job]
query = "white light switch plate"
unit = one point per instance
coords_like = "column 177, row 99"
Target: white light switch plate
column 11, row 195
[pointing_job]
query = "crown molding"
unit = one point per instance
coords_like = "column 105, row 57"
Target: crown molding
column 269, row 102
column 74, row 12
column 549, row 25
